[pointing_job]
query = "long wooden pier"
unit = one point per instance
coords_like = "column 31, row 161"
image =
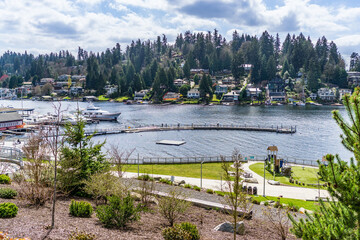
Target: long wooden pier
column 179, row 127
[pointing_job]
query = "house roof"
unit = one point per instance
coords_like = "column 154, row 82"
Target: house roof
column 3, row 77
column 12, row 116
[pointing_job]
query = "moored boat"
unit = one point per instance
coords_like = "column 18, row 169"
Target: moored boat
column 97, row 114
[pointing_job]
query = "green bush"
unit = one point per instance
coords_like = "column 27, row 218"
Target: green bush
column 221, row 194
column 118, row 212
column 8, row 193
column 166, row 181
column 146, row 177
column 266, row 203
column 278, row 205
column 210, row 191
column 191, row 229
column 197, row 188
column 292, row 207
column 187, row 186
column 254, row 201
column 81, row 236
column 175, row 233
column 80, row 209
column 4, row 179
column 8, row 210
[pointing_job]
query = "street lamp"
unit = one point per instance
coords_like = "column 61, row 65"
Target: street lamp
column 201, row 174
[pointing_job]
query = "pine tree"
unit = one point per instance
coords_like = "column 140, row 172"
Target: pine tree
column 340, row 219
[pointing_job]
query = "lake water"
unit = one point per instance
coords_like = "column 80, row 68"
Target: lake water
column 317, row 133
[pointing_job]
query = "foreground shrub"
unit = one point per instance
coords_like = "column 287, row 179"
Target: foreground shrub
column 4, row 179
column 196, row 188
column 103, row 185
column 187, row 186
column 145, row 177
column 8, row 193
column 210, row 191
column 8, row 210
column 175, row 233
column 81, row 236
column 254, row 201
column 173, row 206
column 191, row 229
column 119, row 212
column 80, row 209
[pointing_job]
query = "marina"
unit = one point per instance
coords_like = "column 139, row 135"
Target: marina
column 310, row 140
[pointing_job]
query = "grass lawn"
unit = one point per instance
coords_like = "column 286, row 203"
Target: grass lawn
column 121, row 99
column 103, row 98
column 306, row 175
column 210, row 170
column 214, row 99
column 309, row 205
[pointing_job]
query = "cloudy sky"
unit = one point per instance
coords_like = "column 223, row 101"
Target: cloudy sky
column 42, row 26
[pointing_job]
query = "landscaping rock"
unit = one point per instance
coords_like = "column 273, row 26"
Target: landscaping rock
column 272, row 182
column 157, row 178
column 251, row 180
column 135, row 196
column 182, row 182
column 176, row 183
column 153, row 199
column 302, row 210
column 228, row 227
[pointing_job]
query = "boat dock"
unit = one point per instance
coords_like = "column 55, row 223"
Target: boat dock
column 179, row 127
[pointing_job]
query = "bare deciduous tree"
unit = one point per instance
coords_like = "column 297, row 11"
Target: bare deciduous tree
column 236, row 198
column 279, row 219
column 173, row 205
column 119, row 158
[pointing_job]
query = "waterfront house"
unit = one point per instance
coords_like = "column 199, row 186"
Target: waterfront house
column 89, row 99
column 313, row 96
column 221, row 89
column 275, row 90
column 193, row 93
column 343, row 92
column 76, row 90
column 10, row 120
column 326, row 94
column 232, row 96
column 140, row 95
column 110, row 90
column 171, row 96
column 253, row 92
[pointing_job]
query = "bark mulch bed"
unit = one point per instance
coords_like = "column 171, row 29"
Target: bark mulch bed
column 32, row 223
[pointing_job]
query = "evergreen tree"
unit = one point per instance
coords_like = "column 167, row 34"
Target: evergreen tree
column 80, row 158
column 340, row 219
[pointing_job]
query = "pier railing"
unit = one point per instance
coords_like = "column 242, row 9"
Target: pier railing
column 174, row 127
column 212, row 159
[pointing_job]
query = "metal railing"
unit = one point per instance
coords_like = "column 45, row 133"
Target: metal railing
column 11, row 155
column 213, row 159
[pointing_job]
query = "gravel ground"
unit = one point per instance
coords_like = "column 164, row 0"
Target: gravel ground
column 31, row 222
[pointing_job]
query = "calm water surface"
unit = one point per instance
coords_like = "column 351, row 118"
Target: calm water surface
column 317, row 133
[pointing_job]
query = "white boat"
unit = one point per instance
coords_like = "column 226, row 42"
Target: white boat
column 300, row 103
column 97, row 114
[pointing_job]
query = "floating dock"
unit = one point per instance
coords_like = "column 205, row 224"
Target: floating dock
column 171, row 142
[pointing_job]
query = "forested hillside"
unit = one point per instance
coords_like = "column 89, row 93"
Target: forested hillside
column 145, row 64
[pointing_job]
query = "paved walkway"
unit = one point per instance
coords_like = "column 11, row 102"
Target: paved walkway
column 270, row 190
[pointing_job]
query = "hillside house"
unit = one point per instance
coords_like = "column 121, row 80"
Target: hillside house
column 179, row 82
column 253, row 92
column 221, row 89
column 353, row 78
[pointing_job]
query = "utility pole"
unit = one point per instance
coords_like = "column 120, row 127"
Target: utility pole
column 201, row 174
column 264, row 178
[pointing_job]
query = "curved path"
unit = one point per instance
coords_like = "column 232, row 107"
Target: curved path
column 270, row 190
